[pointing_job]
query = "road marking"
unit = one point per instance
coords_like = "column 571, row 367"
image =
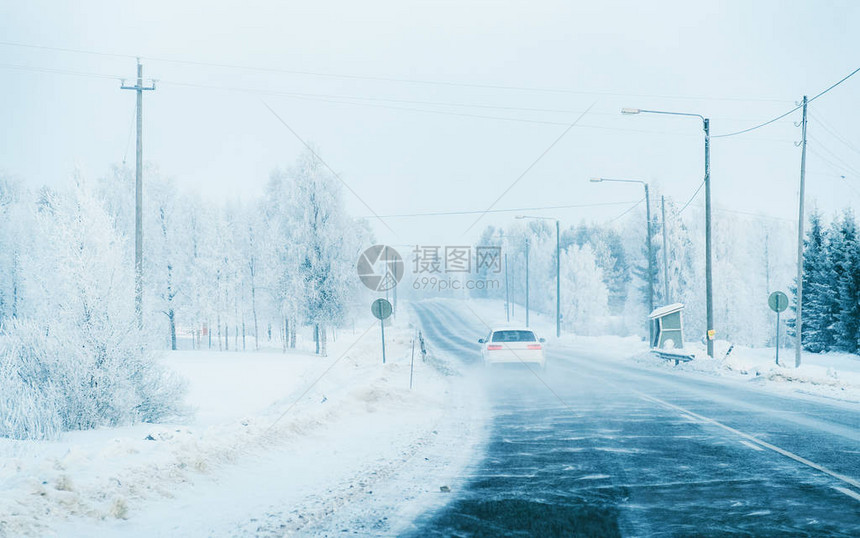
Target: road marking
column 752, row 446
column 847, row 479
column 848, row 492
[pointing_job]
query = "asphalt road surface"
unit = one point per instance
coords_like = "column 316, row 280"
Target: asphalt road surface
column 597, row 445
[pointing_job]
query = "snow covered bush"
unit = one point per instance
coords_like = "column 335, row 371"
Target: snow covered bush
column 74, row 357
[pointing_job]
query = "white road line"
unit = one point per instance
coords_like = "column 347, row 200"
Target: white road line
column 847, row 479
column 752, row 446
column 848, row 492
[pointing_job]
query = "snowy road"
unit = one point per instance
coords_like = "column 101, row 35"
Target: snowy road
column 599, row 445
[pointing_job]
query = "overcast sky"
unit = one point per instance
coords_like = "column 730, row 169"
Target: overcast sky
column 441, row 106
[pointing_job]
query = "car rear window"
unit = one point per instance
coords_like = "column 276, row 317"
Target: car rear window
column 514, row 336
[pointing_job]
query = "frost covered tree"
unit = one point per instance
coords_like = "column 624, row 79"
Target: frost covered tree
column 74, row 358
column 611, row 258
column 327, row 256
column 585, row 303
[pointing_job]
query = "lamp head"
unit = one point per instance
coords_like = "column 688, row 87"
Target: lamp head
column 630, row 111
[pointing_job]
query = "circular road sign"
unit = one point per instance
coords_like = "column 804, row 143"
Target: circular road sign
column 778, row 301
column 380, row 267
column 381, row 309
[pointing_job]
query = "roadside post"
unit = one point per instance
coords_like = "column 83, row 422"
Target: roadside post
column 412, row 363
column 778, row 302
column 381, row 309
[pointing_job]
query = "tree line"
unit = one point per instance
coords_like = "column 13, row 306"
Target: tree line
column 73, row 354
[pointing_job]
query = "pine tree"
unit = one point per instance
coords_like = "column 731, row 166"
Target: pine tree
column 846, row 258
column 817, row 271
column 641, row 270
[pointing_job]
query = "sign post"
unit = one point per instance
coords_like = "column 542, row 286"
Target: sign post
column 381, row 309
column 778, row 302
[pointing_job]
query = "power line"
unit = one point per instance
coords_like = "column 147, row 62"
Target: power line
column 839, row 159
column 628, row 210
column 380, row 78
column 798, row 107
column 533, row 164
column 60, row 71
column 840, row 166
column 330, row 169
column 693, row 197
column 379, row 102
column 511, row 210
column 833, row 132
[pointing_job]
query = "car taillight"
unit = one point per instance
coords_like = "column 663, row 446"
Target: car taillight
column 534, row 346
column 492, row 347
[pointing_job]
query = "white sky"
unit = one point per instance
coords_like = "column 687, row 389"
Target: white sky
column 738, row 62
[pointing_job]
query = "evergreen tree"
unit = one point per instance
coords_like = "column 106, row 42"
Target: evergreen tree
column 817, row 327
column 846, row 261
column 641, row 271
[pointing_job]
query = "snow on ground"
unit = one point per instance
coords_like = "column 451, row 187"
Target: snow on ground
column 830, row 375
column 277, row 443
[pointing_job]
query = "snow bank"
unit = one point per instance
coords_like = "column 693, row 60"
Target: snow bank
column 278, row 442
column 831, row 375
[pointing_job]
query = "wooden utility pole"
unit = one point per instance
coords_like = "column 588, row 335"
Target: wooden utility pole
column 138, row 195
column 798, row 325
column 527, row 281
column 666, row 298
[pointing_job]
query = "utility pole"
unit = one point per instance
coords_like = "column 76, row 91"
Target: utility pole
column 514, row 290
column 709, row 280
column 557, row 279
column 649, row 243
column 557, row 271
column 527, row 281
column 766, row 265
column 138, row 195
column 666, row 297
column 709, row 287
column 507, row 296
column 798, row 325
column 650, row 263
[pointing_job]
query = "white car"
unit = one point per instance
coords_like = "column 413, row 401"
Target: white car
column 512, row 345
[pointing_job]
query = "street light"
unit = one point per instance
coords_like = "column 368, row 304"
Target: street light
column 650, row 247
column 557, row 270
column 709, row 288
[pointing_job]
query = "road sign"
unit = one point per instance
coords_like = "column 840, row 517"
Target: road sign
column 778, row 301
column 381, row 309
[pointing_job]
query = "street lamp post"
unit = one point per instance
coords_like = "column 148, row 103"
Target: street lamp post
column 557, row 269
column 650, row 246
column 527, row 281
column 709, row 288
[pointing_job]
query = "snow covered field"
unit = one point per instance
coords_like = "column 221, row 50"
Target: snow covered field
column 273, row 443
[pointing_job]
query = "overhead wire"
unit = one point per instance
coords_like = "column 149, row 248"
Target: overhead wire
column 693, row 197
column 628, row 210
column 377, row 78
column 798, row 107
column 833, row 155
column 821, row 123
column 509, row 210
